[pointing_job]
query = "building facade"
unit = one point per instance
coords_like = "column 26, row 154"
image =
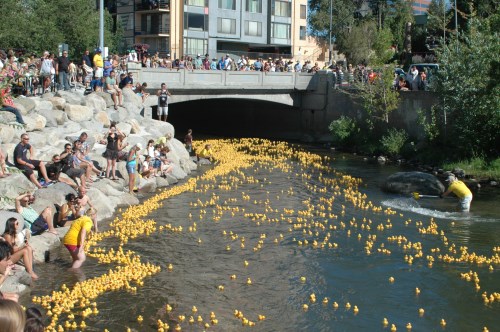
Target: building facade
column 257, row 28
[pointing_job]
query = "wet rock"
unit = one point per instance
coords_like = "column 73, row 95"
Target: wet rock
column 409, row 182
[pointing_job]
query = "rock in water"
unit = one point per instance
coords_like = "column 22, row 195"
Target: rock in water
column 409, row 182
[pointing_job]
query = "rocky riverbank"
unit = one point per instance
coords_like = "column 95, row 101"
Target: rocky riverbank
column 55, row 119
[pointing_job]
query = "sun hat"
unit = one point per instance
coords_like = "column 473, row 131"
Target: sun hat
column 139, row 146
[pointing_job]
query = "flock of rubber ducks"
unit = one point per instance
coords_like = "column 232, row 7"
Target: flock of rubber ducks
column 311, row 226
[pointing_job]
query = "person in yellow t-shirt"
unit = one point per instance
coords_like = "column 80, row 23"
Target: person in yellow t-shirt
column 461, row 191
column 74, row 240
column 206, row 153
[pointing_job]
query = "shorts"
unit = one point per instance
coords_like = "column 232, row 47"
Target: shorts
column 99, row 72
column 27, row 171
column 130, row 168
column 112, row 91
column 156, row 163
column 162, row 110
column 464, row 203
column 71, row 247
column 74, row 172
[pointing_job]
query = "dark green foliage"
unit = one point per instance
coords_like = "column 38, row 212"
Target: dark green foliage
column 38, row 25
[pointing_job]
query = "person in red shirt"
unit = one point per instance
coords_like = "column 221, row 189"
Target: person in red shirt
column 8, row 104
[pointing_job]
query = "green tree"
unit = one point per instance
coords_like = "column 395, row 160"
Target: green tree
column 437, row 18
column 38, row 25
column 399, row 13
column 342, row 17
column 468, row 82
column 379, row 98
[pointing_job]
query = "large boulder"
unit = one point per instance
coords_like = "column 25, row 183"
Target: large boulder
column 34, row 122
column 70, row 97
column 103, row 118
column 12, row 186
column 38, row 139
column 71, row 127
column 56, row 193
column 4, row 215
column 7, row 133
column 78, row 113
column 58, row 103
column 129, row 96
column 28, row 104
column 106, row 97
column 105, row 207
column 136, row 128
column 409, row 182
column 124, row 128
column 95, row 102
column 92, row 126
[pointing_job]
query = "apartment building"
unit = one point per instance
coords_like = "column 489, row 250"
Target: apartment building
column 259, row 28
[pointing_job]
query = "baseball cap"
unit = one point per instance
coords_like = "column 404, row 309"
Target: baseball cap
column 139, row 146
column 98, row 50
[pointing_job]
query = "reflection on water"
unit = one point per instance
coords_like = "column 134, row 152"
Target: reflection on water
column 280, row 224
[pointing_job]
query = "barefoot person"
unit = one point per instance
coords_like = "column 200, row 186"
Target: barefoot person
column 460, row 190
column 38, row 223
column 132, row 162
column 75, row 239
column 20, row 250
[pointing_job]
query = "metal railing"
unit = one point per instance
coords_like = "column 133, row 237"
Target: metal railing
column 157, row 30
column 144, row 5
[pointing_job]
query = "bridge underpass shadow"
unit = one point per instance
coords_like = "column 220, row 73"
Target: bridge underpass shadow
column 235, row 118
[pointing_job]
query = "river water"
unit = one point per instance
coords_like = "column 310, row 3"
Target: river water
column 283, row 230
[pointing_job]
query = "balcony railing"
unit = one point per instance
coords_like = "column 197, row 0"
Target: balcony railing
column 152, row 5
column 157, row 30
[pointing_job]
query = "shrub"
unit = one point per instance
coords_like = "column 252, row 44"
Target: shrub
column 341, row 129
column 393, row 141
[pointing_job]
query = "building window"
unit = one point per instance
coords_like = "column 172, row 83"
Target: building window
column 227, row 4
column 195, row 46
column 303, row 12
column 282, row 8
column 197, row 3
column 254, row 6
column 253, row 28
column 226, row 25
column 280, row 30
column 302, row 33
column 197, row 22
column 126, row 21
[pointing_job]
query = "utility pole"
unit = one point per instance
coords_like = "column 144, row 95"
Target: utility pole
column 330, row 39
column 101, row 25
column 456, row 25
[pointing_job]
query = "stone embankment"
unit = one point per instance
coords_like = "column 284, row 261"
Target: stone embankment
column 55, row 119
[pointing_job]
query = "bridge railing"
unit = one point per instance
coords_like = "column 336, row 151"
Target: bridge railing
column 227, row 80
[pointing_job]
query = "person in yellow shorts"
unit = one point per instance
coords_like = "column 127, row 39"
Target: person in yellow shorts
column 460, row 190
column 74, row 240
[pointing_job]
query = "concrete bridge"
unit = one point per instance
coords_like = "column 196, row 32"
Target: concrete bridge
column 302, row 103
column 282, row 88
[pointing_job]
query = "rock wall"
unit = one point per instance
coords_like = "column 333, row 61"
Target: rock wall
column 55, row 119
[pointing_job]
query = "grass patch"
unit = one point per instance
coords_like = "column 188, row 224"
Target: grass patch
column 478, row 167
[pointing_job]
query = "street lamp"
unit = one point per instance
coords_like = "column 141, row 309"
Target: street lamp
column 330, row 40
column 101, row 25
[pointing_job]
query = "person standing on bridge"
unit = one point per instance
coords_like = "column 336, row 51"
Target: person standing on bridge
column 163, row 95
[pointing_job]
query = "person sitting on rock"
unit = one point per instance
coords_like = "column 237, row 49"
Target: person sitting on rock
column 83, row 201
column 28, row 165
column 19, row 250
column 37, row 223
column 147, row 170
column 113, row 89
column 8, row 104
column 69, row 211
column 68, row 166
column 54, row 170
column 80, row 162
column 6, row 266
column 3, row 167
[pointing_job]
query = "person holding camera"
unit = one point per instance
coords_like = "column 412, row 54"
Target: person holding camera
column 19, row 250
column 37, row 223
column 68, row 165
column 69, row 211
